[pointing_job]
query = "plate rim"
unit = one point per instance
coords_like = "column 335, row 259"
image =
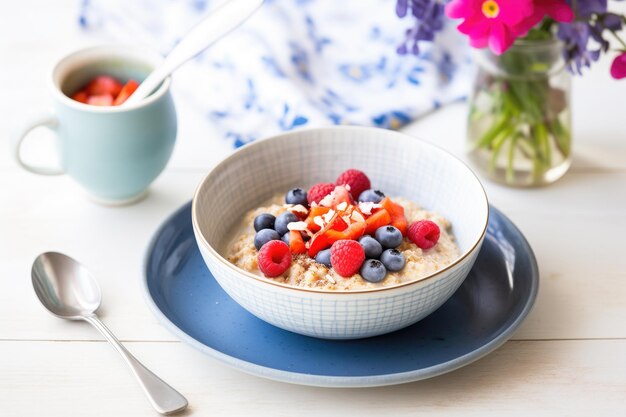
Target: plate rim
column 340, row 381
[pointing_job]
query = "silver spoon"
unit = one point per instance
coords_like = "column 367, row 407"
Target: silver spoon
column 69, row 291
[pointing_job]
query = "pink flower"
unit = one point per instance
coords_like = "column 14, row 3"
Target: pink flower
column 558, row 10
column 618, row 67
column 492, row 23
column 497, row 23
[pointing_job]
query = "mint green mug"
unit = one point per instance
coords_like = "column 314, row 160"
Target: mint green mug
column 114, row 153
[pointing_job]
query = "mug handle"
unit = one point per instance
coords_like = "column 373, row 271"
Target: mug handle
column 48, row 121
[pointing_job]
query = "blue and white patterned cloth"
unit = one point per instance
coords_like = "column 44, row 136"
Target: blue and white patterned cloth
column 297, row 63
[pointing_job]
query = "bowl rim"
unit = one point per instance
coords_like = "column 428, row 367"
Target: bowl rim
column 200, row 236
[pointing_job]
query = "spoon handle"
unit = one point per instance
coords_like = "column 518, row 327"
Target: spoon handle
column 210, row 29
column 164, row 399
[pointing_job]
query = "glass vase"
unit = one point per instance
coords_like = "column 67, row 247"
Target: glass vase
column 519, row 128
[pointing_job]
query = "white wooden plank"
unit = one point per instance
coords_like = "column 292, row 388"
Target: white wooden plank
column 579, row 251
column 573, row 378
column 55, row 215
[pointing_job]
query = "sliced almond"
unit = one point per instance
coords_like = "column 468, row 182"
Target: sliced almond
column 366, row 207
column 329, row 215
column 318, row 221
column 299, row 208
column 357, row 217
column 342, row 206
column 327, row 201
column 330, row 279
column 299, row 226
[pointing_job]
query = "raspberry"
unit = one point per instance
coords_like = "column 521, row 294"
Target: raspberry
column 274, row 258
column 346, row 257
column 357, row 180
column 319, row 191
column 424, row 234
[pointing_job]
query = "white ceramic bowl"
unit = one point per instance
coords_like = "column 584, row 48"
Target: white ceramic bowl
column 398, row 164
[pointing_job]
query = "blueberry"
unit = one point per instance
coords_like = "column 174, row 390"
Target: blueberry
column 372, row 248
column 372, row 195
column 393, row 260
column 264, row 221
column 280, row 225
column 373, row 270
column 296, row 196
column 263, row 236
column 388, row 236
column 285, row 238
column 323, row 257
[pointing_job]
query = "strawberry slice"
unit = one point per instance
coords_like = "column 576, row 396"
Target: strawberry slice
column 125, row 92
column 296, row 242
column 339, row 224
column 396, row 211
column 315, row 211
column 80, row 96
column 103, row 84
column 100, row 100
column 376, row 220
column 318, row 242
column 353, row 232
column 325, row 238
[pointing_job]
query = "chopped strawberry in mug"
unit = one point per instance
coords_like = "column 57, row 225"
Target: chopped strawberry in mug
column 103, row 84
column 80, row 96
column 105, row 90
column 128, row 89
column 100, row 100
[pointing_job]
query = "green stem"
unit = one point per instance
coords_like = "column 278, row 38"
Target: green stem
column 544, row 143
column 510, row 171
column 618, row 38
column 487, row 139
column 497, row 146
column 561, row 137
column 542, row 160
column 525, row 148
column 537, row 169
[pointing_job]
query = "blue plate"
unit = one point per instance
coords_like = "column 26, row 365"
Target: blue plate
column 490, row 305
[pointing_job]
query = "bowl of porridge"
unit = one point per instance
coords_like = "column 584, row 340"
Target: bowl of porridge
column 340, row 232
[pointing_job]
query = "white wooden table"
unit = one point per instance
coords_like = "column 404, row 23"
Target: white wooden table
column 569, row 357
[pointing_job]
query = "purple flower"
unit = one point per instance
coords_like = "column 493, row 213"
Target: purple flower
column 429, row 16
column 612, row 21
column 592, row 19
column 576, row 36
column 585, row 8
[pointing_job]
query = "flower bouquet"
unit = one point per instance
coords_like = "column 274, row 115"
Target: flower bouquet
column 519, row 120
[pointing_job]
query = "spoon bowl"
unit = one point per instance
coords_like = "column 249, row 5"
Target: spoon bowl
column 65, row 287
